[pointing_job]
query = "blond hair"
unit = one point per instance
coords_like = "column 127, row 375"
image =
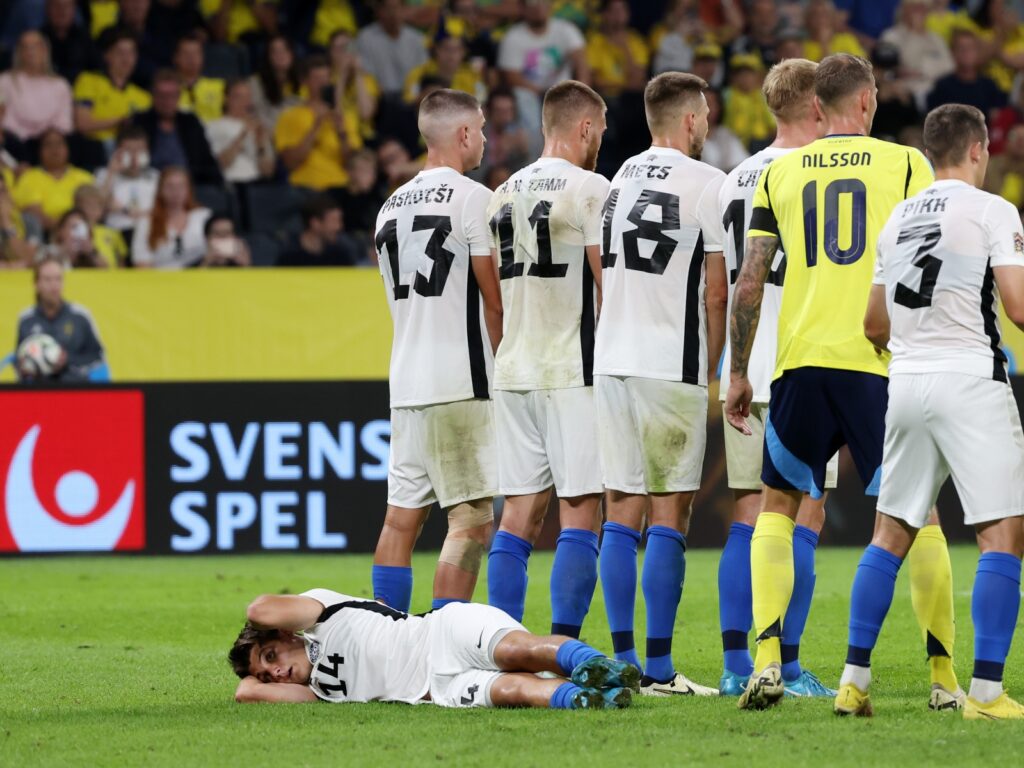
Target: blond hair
column 841, row 75
column 669, row 95
column 789, row 89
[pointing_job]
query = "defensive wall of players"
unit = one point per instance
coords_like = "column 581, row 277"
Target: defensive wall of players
column 249, row 413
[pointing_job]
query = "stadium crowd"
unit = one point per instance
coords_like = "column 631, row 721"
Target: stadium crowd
column 180, row 133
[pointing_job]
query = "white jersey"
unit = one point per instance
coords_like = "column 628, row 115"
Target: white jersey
column 736, row 205
column 362, row 650
column 935, row 259
column 660, row 218
column 427, row 233
column 541, row 219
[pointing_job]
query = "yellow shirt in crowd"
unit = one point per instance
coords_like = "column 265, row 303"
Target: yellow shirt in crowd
column 110, row 245
column 205, row 98
column 466, row 80
column 106, row 100
column 747, row 115
column 842, row 42
column 332, row 16
column 241, row 19
column 55, row 196
column 608, row 61
column 324, row 167
column 102, row 14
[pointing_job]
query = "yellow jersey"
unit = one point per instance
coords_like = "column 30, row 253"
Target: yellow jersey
column 608, row 61
column 110, row 245
column 827, row 203
column 106, row 100
column 332, row 15
column 204, row 98
column 55, row 196
column 241, row 19
column 324, row 167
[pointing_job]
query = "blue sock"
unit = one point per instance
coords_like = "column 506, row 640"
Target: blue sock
column 562, row 697
column 734, row 599
column 664, row 570
column 572, row 653
column 441, row 602
column 872, row 595
column 392, row 585
column 506, row 573
column 573, row 578
column 805, row 542
column 618, row 581
column 995, row 603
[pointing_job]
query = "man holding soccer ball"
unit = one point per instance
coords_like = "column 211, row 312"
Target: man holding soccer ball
column 57, row 340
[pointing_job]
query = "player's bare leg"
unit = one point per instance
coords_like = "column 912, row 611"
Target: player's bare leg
column 574, row 571
column 771, row 573
column 469, row 534
column 521, row 522
column 392, row 560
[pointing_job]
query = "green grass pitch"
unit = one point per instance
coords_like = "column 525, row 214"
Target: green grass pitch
column 120, row 662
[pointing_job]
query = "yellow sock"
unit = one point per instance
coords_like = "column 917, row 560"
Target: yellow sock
column 771, row 577
column 931, row 593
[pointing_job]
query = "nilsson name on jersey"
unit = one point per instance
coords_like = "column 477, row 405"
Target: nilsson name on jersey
column 441, row 194
column 836, row 159
column 926, row 204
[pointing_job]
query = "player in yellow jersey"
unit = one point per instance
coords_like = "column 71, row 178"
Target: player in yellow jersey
column 825, row 204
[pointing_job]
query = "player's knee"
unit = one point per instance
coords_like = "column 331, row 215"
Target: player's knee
column 405, row 522
column 469, row 533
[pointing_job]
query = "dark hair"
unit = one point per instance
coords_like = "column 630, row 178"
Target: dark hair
column 500, row 93
column 668, row 94
column 949, row 132
column 165, row 75
column 214, row 218
column 841, row 75
column 68, row 214
column 271, row 87
column 132, row 131
column 248, row 638
column 317, row 207
column 111, row 36
column 567, row 102
column 314, row 61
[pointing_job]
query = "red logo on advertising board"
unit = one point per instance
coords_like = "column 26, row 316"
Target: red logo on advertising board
column 71, row 464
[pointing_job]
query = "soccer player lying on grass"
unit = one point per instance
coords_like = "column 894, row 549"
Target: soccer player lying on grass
column 324, row 645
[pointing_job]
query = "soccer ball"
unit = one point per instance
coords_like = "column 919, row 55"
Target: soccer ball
column 39, row 355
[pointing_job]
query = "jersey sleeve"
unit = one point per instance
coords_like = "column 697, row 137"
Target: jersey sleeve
column 474, row 221
column 919, row 172
column 763, row 222
column 590, row 203
column 1005, row 238
column 709, row 215
column 327, row 597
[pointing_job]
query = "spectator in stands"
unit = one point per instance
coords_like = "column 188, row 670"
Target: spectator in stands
column 496, row 176
column 242, row 145
column 330, row 17
column 722, row 148
column 71, row 46
column 1005, row 176
column 354, row 88
column 223, row 247
column 32, row 98
column 106, row 100
column 965, row 84
column 507, row 143
column 823, row 33
column 1005, row 119
column 275, row 86
column 107, row 241
column 128, row 182
column 681, row 19
column 761, row 32
column 202, row 96
column 447, row 63
column 173, row 236
column 177, row 138
column 47, row 192
column 616, row 53
column 322, row 242
column 167, row 22
column 389, row 48
column 537, row 53
column 396, row 164
column 924, row 55
column 72, row 244
column 896, row 106
column 789, row 44
column 746, row 113
column 154, row 44
column 361, row 200
column 246, row 21
column 69, row 324
column 16, row 251
column 314, row 138
column 473, row 22
column 868, row 18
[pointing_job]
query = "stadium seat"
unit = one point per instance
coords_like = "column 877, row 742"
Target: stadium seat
column 225, row 61
column 219, row 199
column 275, row 208
column 265, row 249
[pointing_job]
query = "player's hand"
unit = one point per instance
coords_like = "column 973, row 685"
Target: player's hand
column 737, row 404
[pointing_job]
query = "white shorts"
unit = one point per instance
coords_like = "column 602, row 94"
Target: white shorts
column 443, row 453
column 940, row 424
column 652, row 433
column 744, row 454
column 547, row 437
column 463, row 637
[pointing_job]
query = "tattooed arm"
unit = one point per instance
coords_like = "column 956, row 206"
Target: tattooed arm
column 746, row 311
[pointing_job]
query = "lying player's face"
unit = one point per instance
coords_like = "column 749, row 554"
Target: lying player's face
column 281, row 661
column 597, row 128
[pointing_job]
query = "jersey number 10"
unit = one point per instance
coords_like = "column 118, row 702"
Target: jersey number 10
column 858, row 221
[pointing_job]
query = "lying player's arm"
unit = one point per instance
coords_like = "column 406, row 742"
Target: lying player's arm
column 292, row 613
column 490, row 292
column 1010, row 282
column 251, row 690
column 594, row 261
column 876, row 319
column 716, row 299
